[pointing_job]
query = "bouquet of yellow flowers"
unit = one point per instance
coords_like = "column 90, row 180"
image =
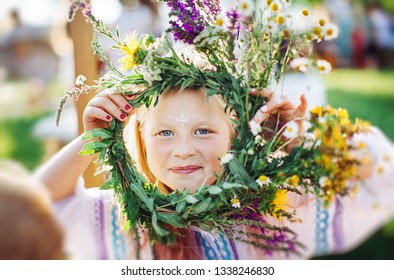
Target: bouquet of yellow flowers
column 246, row 48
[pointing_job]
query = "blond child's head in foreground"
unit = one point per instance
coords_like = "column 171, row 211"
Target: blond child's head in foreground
column 180, row 140
column 28, row 228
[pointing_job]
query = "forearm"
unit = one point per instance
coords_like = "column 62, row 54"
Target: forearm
column 60, row 174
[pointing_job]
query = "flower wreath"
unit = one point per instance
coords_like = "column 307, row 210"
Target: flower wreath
column 244, row 49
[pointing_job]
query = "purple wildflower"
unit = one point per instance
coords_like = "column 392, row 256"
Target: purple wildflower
column 189, row 22
column 75, row 5
column 235, row 24
column 276, row 238
column 212, row 6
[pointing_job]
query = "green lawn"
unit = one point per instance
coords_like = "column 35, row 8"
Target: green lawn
column 17, row 142
column 367, row 94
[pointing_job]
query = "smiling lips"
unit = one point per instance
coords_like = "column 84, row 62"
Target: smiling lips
column 185, row 169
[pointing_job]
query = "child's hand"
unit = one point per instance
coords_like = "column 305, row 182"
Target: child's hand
column 279, row 108
column 105, row 106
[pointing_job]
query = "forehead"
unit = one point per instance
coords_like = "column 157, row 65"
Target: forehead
column 188, row 102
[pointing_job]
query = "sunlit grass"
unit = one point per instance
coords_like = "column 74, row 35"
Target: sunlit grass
column 17, row 142
column 367, row 94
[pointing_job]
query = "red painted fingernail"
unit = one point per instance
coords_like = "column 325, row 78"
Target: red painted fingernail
column 122, row 116
column 127, row 107
column 108, row 117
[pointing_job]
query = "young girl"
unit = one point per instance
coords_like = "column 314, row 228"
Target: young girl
column 177, row 144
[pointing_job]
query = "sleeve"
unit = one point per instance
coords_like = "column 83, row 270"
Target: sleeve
column 90, row 222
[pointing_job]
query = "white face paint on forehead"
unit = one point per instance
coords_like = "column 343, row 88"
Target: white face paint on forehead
column 183, row 118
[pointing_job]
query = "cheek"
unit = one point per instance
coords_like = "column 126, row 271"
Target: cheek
column 155, row 156
column 216, row 150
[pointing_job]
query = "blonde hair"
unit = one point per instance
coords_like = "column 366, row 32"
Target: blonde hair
column 28, row 228
column 185, row 246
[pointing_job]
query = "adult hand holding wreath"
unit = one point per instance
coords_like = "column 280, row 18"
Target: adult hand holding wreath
column 216, row 167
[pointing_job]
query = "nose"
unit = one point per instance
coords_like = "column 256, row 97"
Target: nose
column 184, row 147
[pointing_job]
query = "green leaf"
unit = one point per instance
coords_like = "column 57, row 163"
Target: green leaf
column 237, row 169
column 227, row 185
column 151, row 204
column 96, row 146
column 140, row 192
column 202, row 206
column 107, row 185
column 214, row 190
column 87, row 152
column 180, row 207
column 96, row 133
column 171, row 219
column 133, row 210
column 191, row 199
column 159, row 230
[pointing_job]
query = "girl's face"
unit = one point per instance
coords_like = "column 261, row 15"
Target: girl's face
column 184, row 136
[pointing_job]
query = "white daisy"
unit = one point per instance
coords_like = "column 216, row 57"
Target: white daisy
column 323, row 181
column 220, row 20
column 226, row 158
column 291, row 130
column 381, row 168
column 246, row 7
column 330, row 31
column 235, row 202
column 255, row 128
column 300, row 64
column 263, row 180
column 323, row 66
column 275, row 6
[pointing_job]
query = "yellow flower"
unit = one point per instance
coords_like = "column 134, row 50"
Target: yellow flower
column 305, row 12
column 130, row 48
column 317, row 31
column 280, row 202
column 318, row 110
column 280, row 19
column 294, row 180
column 322, row 22
column 219, row 21
column 342, row 113
column 274, row 7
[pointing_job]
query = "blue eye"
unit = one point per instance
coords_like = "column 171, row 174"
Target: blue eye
column 202, row 131
column 166, row 133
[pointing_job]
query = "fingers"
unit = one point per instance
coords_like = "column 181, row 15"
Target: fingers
column 113, row 104
column 282, row 106
column 265, row 92
column 95, row 113
column 302, row 108
column 118, row 99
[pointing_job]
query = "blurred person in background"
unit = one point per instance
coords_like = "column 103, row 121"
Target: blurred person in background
column 382, row 32
column 28, row 227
